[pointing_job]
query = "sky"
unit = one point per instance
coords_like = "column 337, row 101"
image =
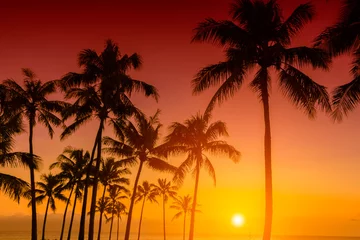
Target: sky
column 315, row 162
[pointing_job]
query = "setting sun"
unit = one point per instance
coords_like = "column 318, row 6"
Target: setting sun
column 238, row 220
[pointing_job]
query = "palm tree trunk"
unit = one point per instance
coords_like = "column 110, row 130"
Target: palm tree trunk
column 128, row 223
column 95, row 185
column 193, row 210
column 64, row 217
column 72, row 215
column 101, row 214
column 32, row 182
column 111, row 224
column 141, row 215
column 86, row 189
column 268, row 171
column 118, row 227
column 164, row 216
column 184, row 226
column 45, row 216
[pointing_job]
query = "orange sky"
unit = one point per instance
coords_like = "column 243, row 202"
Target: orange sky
column 315, row 163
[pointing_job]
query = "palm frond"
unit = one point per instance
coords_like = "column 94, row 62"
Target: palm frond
column 160, row 165
column 345, row 98
column 305, row 56
column 303, row 14
column 303, row 91
column 13, row 187
column 221, row 32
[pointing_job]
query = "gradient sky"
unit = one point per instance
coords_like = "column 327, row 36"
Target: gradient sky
column 315, row 162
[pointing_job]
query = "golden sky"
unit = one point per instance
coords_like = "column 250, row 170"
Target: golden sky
column 315, row 162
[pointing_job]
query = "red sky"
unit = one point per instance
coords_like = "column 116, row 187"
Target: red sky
column 316, row 163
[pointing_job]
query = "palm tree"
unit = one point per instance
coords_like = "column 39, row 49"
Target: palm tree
column 138, row 143
column 10, row 185
column 51, row 188
column 343, row 37
column 31, row 103
column 116, row 196
column 145, row 192
column 165, row 190
column 73, row 163
column 78, row 197
column 196, row 137
column 103, row 205
column 258, row 37
column 110, row 175
column 120, row 209
column 183, row 205
column 102, row 92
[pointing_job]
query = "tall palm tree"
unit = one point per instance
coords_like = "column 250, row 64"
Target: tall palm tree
column 344, row 37
column 51, row 188
column 120, row 209
column 31, row 103
column 145, row 192
column 116, row 195
column 165, row 190
column 183, row 206
column 138, row 143
column 102, row 92
column 103, row 205
column 78, row 197
column 194, row 138
column 12, row 186
column 73, row 164
column 258, row 37
column 110, row 175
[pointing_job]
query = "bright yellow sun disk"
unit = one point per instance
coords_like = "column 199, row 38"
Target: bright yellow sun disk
column 238, row 220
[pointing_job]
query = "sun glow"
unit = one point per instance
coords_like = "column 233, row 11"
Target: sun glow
column 238, row 220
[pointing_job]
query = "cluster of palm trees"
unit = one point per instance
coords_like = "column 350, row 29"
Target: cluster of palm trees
column 257, row 37
column 102, row 92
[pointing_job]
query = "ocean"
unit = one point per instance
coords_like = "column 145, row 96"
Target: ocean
column 54, row 235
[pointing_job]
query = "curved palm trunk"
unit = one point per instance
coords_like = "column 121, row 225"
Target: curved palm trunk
column 45, row 216
column 101, row 214
column 65, row 211
column 111, row 224
column 141, row 215
column 268, row 171
column 72, row 215
column 32, row 183
column 128, row 222
column 95, row 185
column 164, row 217
column 86, row 189
column 118, row 227
column 184, row 226
column 193, row 210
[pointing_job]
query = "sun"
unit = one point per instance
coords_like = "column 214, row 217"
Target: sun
column 238, row 220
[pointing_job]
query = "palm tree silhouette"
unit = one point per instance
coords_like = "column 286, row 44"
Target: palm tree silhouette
column 110, row 175
column 103, row 205
column 10, row 185
column 138, row 143
column 343, row 37
column 31, row 103
column 258, row 37
column 145, row 192
column 51, row 188
column 73, row 164
column 183, row 205
column 165, row 190
column 116, row 195
column 195, row 137
column 102, row 92
column 119, row 209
